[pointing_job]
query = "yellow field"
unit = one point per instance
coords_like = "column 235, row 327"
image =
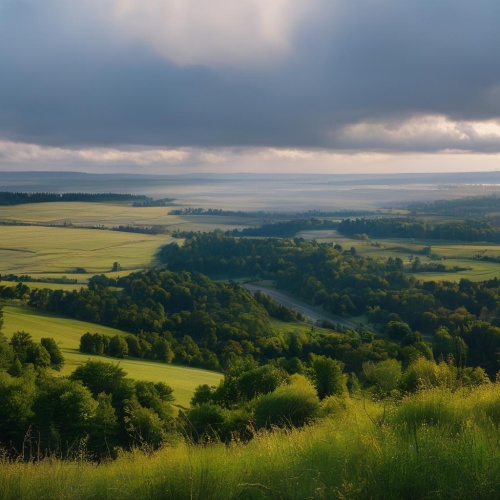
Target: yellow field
column 112, row 215
column 67, row 332
column 81, row 213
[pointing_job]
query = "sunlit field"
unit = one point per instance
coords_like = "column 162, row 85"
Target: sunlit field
column 81, row 213
column 34, row 249
column 67, row 332
column 113, row 215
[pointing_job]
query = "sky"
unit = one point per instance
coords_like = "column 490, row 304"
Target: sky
column 326, row 86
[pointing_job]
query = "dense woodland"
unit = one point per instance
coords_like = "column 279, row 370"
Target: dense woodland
column 347, row 284
column 461, row 230
column 471, row 206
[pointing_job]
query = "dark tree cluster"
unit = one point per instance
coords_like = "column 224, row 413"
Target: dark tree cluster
column 285, row 229
column 471, row 206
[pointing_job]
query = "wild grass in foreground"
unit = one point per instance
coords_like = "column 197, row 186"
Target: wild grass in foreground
column 435, row 444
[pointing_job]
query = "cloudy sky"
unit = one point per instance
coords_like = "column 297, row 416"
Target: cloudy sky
column 169, row 86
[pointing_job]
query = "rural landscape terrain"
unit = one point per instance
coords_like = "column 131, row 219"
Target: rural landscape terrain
column 249, row 250
column 187, row 337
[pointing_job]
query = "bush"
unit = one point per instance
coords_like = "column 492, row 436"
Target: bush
column 289, row 406
column 435, row 407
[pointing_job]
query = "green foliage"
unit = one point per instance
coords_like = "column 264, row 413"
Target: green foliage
column 144, row 427
column 100, row 377
column 291, row 405
column 327, row 376
column 6, row 353
column 118, row 347
column 417, row 454
column 104, row 427
column 463, row 230
column 28, row 351
column 385, row 376
column 17, row 395
column 243, row 382
column 63, row 412
column 204, row 422
column 56, row 357
column 398, row 330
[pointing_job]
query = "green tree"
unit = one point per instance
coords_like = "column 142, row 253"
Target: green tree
column 56, row 357
column 17, row 395
column 6, row 353
column 398, row 330
column 384, row 375
column 144, row 427
column 63, row 413
column 103, row 427
column 118, row 347
column 20, row 341
column 327, row 376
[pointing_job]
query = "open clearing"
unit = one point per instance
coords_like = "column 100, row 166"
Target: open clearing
column 67, row 332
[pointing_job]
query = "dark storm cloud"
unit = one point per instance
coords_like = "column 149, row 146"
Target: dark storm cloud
column 70, row 77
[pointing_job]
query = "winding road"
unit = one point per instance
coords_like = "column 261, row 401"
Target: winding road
column 312, row 313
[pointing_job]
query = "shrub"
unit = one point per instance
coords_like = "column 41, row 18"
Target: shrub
column 291, row 405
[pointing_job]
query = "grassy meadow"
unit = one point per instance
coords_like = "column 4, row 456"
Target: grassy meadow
column 67, row 332
column 56, row 251
column 434, row 444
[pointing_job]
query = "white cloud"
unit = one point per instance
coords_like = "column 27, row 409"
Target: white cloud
column 20, row 156
column 212, row 33
column 13, row 153
column 429, row 132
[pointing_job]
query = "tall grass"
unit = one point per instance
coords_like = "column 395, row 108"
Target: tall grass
column 434, row 444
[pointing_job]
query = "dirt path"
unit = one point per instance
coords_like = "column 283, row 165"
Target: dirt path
column 312, row 313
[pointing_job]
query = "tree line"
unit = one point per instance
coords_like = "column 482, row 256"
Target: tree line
column 461, row 230
column 19, row 198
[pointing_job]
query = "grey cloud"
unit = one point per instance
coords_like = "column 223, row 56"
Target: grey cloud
column 67, row 80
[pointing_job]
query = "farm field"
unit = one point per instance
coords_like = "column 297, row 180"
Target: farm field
column 455, row 253
column 37, row 250
column 113, row 215
column 67, row 332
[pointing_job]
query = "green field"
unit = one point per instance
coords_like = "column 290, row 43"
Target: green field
column 81, row 213
column 112, row 215
column 67, row 332
column 458, row 254
column 37, row 250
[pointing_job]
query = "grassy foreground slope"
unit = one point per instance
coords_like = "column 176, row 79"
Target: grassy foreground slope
column 434, row 444
column 67, row 332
